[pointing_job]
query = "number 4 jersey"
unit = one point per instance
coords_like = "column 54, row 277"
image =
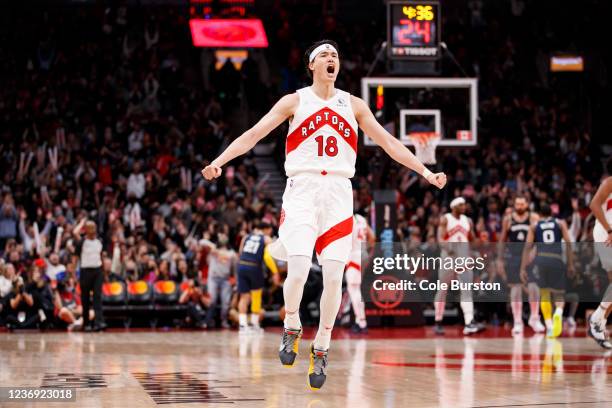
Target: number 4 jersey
column 322, row 136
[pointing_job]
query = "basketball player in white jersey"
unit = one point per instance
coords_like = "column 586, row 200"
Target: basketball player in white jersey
column 455, row 229
column 317, row 210
column 361, row 233
column 601, row 205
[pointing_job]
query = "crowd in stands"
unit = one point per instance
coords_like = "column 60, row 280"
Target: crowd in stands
column 108, row 114
column 105, row 117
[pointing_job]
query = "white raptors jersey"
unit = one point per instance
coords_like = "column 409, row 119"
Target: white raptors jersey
column 599, row 232
column 360, row 232
column 457, row 230
column 322, row 136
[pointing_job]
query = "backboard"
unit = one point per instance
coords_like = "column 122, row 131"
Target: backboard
column 446, row 106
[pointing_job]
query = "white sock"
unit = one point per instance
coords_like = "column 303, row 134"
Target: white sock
column 255, row 320
column 468, row 312
column 600, row 312
column 298, row 267
column 242, row 319
column 559, row 311
column 330, row 301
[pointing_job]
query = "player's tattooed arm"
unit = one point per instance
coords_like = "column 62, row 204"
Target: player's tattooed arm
column 391, row 145
column 279, row 113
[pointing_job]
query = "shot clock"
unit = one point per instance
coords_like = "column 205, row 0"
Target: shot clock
column 413, row 29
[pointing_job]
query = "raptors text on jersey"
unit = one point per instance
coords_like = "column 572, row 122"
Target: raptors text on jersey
column 322, row 136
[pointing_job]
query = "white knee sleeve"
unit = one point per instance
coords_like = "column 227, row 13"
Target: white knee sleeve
column 298, row 268
column 330, row 301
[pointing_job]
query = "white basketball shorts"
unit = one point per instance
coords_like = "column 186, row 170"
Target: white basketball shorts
column 317, row 213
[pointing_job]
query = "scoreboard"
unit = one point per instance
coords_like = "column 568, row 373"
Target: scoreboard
column 413, row 29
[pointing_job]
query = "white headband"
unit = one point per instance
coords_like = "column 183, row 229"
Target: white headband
column 319, row 49
column 457, row 201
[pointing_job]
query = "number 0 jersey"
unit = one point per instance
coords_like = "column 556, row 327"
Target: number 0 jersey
column 549, row 237
column 322, row 136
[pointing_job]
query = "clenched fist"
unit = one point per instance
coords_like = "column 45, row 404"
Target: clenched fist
column 211, row 172
column 437, row 179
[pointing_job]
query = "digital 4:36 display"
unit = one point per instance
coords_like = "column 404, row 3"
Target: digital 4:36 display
column 414, row 29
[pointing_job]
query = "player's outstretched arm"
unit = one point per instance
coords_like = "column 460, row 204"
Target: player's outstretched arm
column 280, row 112
column 392, row 146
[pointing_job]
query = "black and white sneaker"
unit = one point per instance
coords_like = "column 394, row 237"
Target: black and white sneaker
column 598, row 333
column 473, row 328
column 438, row 329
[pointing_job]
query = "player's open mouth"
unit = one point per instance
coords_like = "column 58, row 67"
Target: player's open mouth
column 331, row 69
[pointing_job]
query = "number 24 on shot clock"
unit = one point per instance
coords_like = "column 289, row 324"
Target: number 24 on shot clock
column 413, row 29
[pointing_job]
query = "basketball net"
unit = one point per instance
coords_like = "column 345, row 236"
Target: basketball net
column 425, row 144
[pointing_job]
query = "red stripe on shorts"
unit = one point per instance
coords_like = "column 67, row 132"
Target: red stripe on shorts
column 354, row 265
column 340, row 230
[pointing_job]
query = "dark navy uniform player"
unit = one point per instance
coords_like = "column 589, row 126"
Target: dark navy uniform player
column 253, row 255
column 515, row 228
column 549, row 233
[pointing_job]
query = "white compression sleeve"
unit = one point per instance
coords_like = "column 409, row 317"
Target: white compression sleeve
column 298, row 267
column 330, row 301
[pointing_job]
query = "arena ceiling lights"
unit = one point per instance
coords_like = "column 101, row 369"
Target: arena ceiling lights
column 228, row 33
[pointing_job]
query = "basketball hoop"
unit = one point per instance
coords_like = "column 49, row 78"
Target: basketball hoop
column 425, row 144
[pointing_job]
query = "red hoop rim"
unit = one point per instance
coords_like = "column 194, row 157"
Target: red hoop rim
column 423, row 138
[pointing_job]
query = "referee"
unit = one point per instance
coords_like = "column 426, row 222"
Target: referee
column 91, row 276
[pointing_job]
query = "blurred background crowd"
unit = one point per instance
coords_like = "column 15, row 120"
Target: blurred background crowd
column 108, row 113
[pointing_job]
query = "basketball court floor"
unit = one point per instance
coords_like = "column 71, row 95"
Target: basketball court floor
column 388, row 368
